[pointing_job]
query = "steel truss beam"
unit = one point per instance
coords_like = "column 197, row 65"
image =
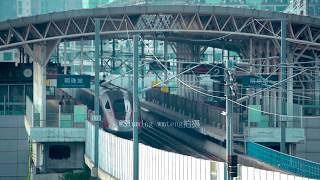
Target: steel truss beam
column 205, row 25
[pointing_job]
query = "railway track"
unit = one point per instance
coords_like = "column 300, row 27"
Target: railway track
column 171, row 142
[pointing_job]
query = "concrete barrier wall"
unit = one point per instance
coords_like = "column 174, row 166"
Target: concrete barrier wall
column 14, row 148
column 250, row 173
column 89, row 145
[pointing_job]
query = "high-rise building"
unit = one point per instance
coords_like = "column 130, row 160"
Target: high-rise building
column 304, row 7
column 95, row 3
column 23, row 8
column 271, row 5
column 47, row 6
column 10, row 9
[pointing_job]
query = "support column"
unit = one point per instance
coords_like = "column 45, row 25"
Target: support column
column 283, row 85
column 142, row 67
column 81, row 56
column 65, row 57
column 97, row 117
column 40, row 54
column 251, row 51
column 165, row 56
column 317, row 85
column 113, row 55
column 274, row 103
column 213, row 55
column 266, row 101
column 258, row 70
column 290, row 88
column 184, row 54
column 194, row 78
column 39, row 82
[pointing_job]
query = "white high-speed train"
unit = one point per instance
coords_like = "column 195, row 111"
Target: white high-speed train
column 115, row 106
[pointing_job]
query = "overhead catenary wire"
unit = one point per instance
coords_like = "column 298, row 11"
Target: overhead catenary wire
column 234, row 102
column 221, row 92
column 206, row 94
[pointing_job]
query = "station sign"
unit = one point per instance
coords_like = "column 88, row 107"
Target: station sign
column 73, row 81
column 257, row 81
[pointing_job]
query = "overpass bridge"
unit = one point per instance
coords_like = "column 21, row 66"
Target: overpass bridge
column 189, row 30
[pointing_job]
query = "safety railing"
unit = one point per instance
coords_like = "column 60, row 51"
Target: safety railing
column 12, row 108
column 283, row 161
column 59, row 119
column 267, row 121
column 13, row 105
column 13, row 98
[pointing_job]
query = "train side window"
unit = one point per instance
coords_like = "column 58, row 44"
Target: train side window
column 107, row 105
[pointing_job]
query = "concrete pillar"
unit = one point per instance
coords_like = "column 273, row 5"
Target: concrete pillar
column 251, row 51
column 65, row 57
column 39, row 82
column 266, row 100
column 81, row 56
column 165, row 57
column 143, row 68
column 274, row 102
column 290, row 87
column 183, row 51
column 187, row 53
column 213, row 55
column 258, row 70
column 251, row 69
column 40, row 157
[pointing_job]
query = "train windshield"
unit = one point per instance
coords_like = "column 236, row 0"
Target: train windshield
column 119, row 109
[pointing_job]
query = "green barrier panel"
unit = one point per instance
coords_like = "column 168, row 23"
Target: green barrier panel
column 283, row 161
column 255, row 115
column 66, row 121
column 80, row 113
column 264, row 123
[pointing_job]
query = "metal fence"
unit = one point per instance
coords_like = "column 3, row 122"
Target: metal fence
column 115, row 159
column 283, row 161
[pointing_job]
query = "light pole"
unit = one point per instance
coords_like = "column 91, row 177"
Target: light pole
column 135, row 110
column 229, row 111
column 96, row 116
